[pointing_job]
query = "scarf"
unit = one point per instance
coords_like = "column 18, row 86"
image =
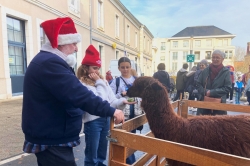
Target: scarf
column 214, row 71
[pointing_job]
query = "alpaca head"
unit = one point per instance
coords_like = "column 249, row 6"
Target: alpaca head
column 144, row 85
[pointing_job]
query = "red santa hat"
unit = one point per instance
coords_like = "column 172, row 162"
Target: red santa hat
column 92, row 57
column 61, row 31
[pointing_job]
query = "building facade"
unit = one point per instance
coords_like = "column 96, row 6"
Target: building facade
column 200, row 41
column 106, row 24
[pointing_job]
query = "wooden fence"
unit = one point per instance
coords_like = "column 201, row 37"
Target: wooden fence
column 123, row 143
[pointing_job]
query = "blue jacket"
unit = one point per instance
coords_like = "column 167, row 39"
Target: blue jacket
column 54, row 101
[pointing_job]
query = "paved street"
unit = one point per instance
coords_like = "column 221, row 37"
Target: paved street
column 11, row 137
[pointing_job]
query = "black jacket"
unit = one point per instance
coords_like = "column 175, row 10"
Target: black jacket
column 163, row 77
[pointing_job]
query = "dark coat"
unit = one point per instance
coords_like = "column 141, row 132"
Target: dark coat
column 181, row 79
column 219, row 88
column 54, row 101
column 163, row 77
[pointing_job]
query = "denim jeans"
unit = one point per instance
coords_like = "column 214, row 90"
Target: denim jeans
column 96, row 143
column 237, row 97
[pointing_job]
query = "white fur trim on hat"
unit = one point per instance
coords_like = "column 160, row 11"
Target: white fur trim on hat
column 69, row 38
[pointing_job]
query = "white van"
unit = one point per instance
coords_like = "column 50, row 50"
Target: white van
column 113, row 67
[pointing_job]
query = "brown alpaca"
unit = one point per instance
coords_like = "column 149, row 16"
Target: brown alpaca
column 228, row 134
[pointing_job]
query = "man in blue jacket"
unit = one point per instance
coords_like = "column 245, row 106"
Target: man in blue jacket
column 54, row 99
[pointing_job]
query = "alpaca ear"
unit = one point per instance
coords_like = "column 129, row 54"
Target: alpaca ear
column 156, row 86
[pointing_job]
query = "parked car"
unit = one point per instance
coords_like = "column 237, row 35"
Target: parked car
column 113, row 67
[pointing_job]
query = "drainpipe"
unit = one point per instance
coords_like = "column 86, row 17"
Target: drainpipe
column 90, row 20
column 124, row 31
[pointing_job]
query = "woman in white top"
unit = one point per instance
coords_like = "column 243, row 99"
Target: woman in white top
column 120, row 90
column 96, row 128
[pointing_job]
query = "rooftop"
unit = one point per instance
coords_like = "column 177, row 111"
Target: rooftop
column 210, row 30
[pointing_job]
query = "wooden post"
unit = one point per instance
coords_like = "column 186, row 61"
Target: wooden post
column 117, row 154
column 184, row 108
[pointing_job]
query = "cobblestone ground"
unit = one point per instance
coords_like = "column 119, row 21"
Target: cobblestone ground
column 11, row 135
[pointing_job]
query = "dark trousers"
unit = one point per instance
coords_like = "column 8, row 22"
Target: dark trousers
column 131, row 158
column 231, row 93
column 248, row 97
column 55, row 156
column 178, row 94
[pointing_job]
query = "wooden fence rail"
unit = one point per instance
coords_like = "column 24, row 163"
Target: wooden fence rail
column 156, row 150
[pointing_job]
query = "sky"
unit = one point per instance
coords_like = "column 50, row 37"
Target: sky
column 165, row 18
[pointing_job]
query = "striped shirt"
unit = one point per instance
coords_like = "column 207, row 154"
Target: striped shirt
column 29, row 147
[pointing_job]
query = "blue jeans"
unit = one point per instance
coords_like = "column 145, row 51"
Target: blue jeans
column 96, row 142
column 237, row 97
column 131, row 158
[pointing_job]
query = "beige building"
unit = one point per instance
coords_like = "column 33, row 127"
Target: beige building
column 106, row 24
column 200, row 41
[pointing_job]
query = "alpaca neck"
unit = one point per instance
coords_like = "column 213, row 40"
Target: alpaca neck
column 160, row 115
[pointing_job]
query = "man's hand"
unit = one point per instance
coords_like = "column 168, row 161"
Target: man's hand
column 208, row 93
column 119, row 116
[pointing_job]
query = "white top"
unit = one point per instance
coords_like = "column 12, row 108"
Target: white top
column 122, row 85
column 103, row 90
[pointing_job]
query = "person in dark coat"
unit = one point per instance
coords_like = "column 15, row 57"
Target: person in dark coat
column 193, row 87
column 217, row 80
column 181, row 80
column 54, row 100
column 189, row 86
column 162, row 76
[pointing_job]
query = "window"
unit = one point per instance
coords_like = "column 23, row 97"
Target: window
column 209, row 42
column 16, row 46
column 15, row 30
column 185, row 53
column 74, row 6
column 226, row 52
column 197, row 43
column 117, row 26
column 174, row 66
column 230, row 55
column 136, row 40
column 219, row 42
column 100, row 14
column 208, row 55
column 101, row 55
column 225, row 42
column 162, row 58
column 117, row 55
column 185, row 43
column 148, row 45
column 197, row 55
column 128, row 34
column 43, row 37
column 163, row 46
column 144, row 40
column 175, row 55
column 175, row 44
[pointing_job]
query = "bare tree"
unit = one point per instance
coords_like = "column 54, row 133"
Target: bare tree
column 240, row 53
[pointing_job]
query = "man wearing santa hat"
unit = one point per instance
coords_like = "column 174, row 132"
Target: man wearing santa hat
column 54, row 100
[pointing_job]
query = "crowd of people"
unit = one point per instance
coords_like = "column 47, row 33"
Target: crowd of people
column 212, row 80
column 56, row 101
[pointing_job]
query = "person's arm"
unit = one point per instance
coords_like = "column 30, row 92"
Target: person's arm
column 58, row 80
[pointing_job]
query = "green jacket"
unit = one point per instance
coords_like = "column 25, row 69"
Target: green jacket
column 220, row 87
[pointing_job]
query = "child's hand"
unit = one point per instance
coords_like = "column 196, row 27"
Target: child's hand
column 94, row 76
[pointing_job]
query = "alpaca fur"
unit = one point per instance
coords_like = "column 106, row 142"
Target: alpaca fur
column 228, row 134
